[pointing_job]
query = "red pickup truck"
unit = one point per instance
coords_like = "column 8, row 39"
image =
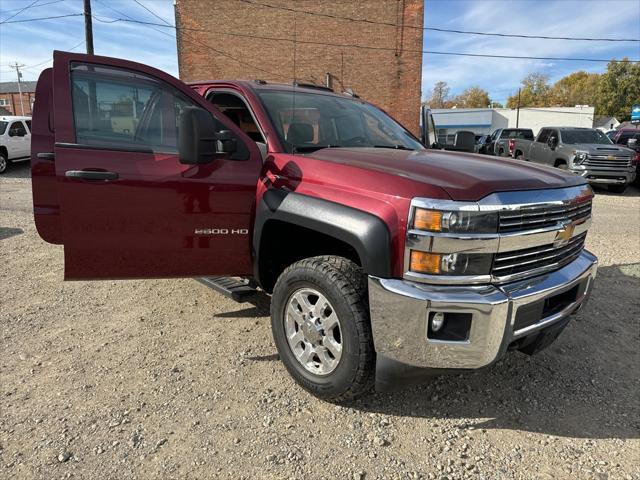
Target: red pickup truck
column 385, row 260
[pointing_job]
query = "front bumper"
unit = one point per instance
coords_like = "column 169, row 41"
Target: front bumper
column 400, row 311
column 607, row 177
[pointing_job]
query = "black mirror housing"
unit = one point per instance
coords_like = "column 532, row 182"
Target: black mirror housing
column 553, row 142
column 196, row 141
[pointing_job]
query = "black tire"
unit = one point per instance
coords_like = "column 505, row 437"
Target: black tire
column 4, row 163
column 562, row 166
column 344, row 285
column 520, row 156
column 617, row 188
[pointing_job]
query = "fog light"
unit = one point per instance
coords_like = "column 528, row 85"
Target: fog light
column 437, row 321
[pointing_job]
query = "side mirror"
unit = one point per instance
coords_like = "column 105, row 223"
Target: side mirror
column 226, row 142
column 632, row 143
column 553, row 142
column 196, row 140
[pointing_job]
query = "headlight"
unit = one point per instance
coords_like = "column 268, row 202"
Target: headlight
column 579, row 158
column 458, row 221
column 450, row 263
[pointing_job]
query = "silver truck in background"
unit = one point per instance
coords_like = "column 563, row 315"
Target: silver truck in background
column 584, row 151
column 501, row 141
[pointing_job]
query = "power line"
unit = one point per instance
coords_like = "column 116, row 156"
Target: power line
column 368, row 47
column 187, row 38
column 42, row 18
column 28, row 67
column 34, row 6
column 152, row 12
column 20, row 11
column 466, row 32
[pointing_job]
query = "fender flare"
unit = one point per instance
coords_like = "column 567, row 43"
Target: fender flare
column 366, row 233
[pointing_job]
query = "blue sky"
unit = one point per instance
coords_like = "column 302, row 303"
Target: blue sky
column 31, row 43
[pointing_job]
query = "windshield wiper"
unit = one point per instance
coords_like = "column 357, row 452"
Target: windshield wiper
column 395, row 147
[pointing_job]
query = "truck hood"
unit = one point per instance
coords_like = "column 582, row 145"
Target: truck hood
column 599, row 149
column 464, row 176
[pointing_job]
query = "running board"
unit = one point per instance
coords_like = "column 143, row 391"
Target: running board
column 236, row 289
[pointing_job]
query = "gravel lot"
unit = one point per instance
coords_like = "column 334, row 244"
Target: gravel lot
column 167, row 379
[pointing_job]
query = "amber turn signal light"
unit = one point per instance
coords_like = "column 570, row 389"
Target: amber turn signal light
column 430, row 220
column 424, row 262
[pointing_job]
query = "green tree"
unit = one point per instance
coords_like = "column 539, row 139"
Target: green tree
column 472, row 97
column 439, row 97
column 619, row 89
column 577, row 88
column 535, row 92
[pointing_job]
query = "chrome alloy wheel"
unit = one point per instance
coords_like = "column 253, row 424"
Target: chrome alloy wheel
column 313, row 331
column 3, row 164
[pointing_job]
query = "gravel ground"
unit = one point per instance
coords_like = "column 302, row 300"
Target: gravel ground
column 167, row 379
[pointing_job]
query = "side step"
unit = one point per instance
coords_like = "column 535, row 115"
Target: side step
column 237, row 289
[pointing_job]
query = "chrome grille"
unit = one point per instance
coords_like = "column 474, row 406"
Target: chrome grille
column 531, row 260
column 529, row 218
column 608, row 161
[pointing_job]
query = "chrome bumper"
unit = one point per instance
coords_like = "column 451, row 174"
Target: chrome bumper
column 400, row 311
column 607, row 177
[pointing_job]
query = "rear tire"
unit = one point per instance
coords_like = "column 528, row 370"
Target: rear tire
column 4, row 163
column 345, row 369
column 617, row 188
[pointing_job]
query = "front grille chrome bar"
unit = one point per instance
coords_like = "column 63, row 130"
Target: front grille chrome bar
column 539, row 231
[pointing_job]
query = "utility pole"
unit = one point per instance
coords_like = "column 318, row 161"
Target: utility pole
column 19, row 75
column 518, row 111
column 88, row 27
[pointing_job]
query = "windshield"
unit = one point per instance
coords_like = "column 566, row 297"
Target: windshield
column 3, row 127
column 307, row 122
column 584, row 136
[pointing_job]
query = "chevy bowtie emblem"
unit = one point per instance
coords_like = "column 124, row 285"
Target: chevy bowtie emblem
column 611, row 157
column 563, row 236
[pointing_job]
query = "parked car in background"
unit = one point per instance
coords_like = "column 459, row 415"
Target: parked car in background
column 481, row 143
column 15, row 140
column 501, row 140
column 585, row 151
column 630, row 138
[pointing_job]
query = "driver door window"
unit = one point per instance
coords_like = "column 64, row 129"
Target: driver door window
column 124, row 110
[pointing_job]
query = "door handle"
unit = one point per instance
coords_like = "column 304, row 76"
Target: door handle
column 91, row 175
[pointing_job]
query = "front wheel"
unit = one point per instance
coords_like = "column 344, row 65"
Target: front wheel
column 4, row 163
column 617, row 188
column 320, row 324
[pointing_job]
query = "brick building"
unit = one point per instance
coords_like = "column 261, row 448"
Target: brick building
column 226, row 40
column 10, row 97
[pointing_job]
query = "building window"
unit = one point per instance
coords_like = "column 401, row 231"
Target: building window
column 4, row 102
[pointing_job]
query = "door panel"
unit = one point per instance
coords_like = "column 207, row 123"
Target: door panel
column 145, row 214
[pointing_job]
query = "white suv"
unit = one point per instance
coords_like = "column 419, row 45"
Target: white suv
column 15, row 140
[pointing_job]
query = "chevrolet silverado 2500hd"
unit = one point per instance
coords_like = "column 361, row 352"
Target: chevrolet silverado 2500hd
column 384, row 260
column 585, row 151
